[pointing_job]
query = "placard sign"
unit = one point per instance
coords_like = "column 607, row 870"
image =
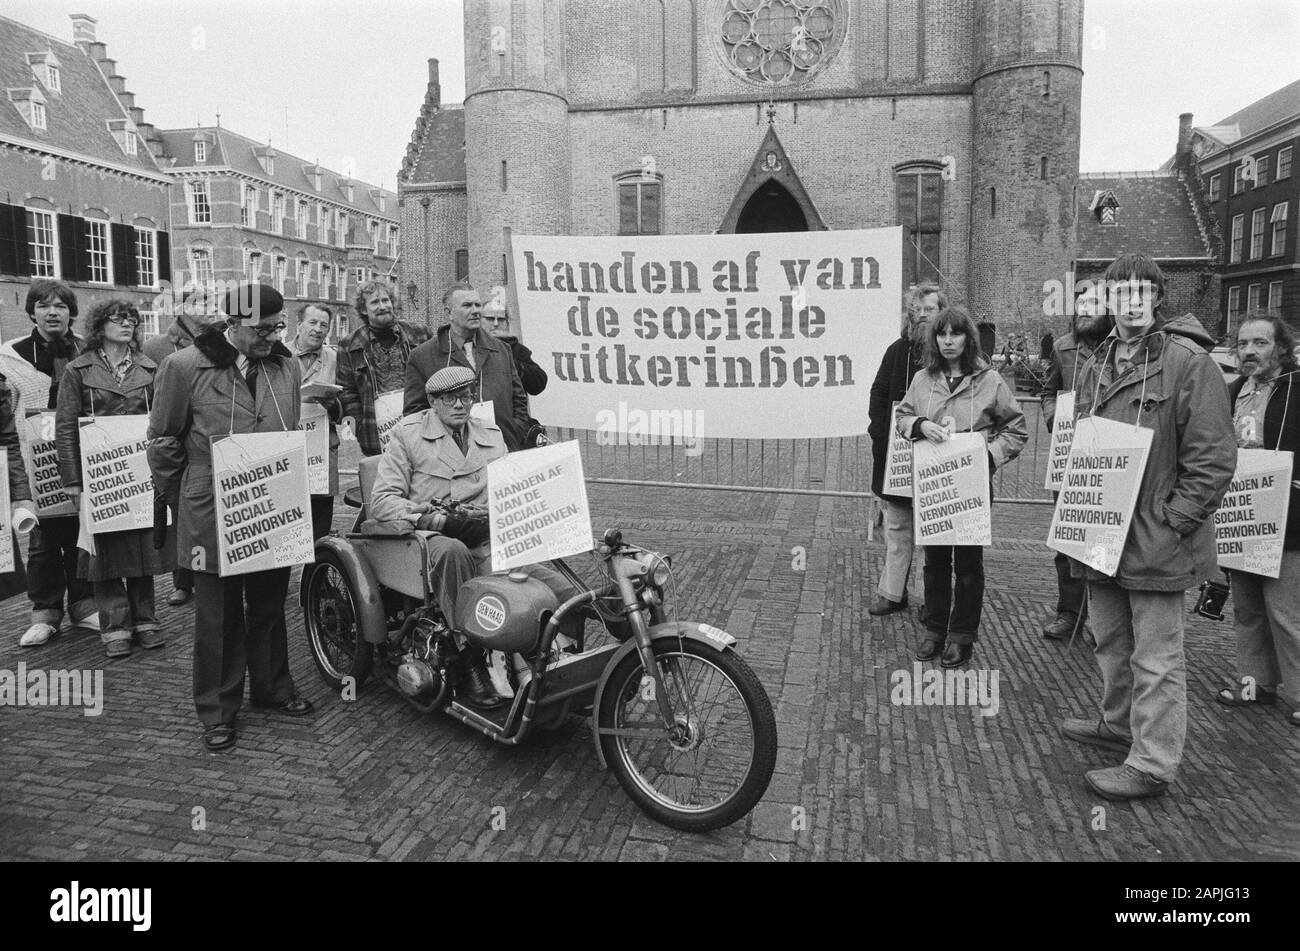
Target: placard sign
column 262, row 503
column 7, row 564
column 388, row 413
column 898, row 464
column 314, row 420
column 42, row 460
column 951, row 491
column 537, row 506
column 1250, row 525
column 1102, row 477
column 115, row 476
column 1058, row 453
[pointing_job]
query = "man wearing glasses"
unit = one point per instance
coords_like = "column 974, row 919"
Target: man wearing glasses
column 240, row 380
column 497, row 318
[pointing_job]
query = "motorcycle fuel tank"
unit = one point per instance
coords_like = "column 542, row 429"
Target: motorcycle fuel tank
column 504, row 612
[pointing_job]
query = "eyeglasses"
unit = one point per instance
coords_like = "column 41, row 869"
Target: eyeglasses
column 458, row 399
column 264, row 332
column 125, row 320
column 497, row 320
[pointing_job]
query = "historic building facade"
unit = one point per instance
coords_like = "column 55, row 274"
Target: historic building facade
column 83, row 197
column 245, row 210
column 957, row 119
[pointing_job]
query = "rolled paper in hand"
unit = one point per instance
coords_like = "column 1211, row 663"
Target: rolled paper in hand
column 24, row 519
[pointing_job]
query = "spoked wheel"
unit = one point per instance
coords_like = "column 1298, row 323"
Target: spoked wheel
column 337, row 644
column 714, row 764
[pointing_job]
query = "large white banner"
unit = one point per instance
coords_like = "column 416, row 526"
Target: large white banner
column 734, row 336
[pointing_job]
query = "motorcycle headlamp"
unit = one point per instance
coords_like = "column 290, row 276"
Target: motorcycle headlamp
column 660, row 570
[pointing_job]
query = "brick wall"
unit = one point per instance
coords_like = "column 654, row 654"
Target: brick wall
column 433, row 235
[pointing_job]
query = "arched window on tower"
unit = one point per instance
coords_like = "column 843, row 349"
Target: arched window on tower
column 919, row 196
column 640, row 202
column 993, row 202
column 1047, row 84
column 1042, row 168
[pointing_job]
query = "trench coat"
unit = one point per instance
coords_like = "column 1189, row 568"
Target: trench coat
column 981, row 403
column 325, row 370
column 200, row 395
column 89, row 389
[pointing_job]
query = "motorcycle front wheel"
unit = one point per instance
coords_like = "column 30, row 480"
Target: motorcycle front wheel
column 337, row 644
column 713, row 765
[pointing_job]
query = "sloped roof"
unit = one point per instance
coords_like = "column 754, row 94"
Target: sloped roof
column 442, row 153
column 1155, row 217
column 76, row 118
column 1262, row 113
column 228, row 149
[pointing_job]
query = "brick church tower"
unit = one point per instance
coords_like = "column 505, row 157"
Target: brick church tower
column 517, row 153
column 1025, row 154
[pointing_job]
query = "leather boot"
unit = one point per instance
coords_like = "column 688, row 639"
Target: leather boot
column 474, row 686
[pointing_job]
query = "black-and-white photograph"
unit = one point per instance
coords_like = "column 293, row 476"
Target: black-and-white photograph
column 748, row 431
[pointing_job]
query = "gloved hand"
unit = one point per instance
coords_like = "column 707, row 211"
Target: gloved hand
column 470, row 527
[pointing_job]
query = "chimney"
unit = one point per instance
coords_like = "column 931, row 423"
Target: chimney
column 83, row 28
column 1183, row 154
column 434, row 95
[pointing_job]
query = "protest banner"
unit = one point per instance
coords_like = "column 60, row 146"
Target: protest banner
column 115, row 477
column 736, row 327
column 1102, row 476
column 950, row 486
column 1250, row 525
column 263, row 508
column 314, row 420
column 388, row 413
column 537, row 506
column 42, row 461
column 1058, row 453
column 898, row 464
column 7, row 563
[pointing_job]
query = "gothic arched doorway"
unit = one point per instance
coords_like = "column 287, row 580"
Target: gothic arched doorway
column 771, row 208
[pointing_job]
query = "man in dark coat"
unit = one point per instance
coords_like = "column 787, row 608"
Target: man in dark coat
column 1266, row 614
column 52, row 552
column 497, row 316
column 1070, row 352
column 199, row 310
column 241, row 381
column 902, row 360
column 373, row 359
column 464, row 342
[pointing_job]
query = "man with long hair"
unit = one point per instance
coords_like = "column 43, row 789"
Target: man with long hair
column 1266, row 615
column 1154, row 372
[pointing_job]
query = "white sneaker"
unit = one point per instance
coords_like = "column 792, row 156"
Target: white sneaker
column 497, row 671
column 37, row 634
column 89, row 624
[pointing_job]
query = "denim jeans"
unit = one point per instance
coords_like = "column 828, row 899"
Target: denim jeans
column 1144, row 673
column 899, row 548
column 52, row 573
column 1266, row 616
column 952, row 612
column 125, row 605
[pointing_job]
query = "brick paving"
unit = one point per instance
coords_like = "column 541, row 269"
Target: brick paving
column 857, row 777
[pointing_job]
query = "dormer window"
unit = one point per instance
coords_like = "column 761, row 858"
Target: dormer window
column 270, row 165
column 200, row 152
column 1105, row 207
column 124, row 133
column 130, row 144
column 31, row 103
column 45, row 68
column 53, row 82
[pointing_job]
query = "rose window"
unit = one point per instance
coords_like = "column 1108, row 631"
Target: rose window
column 780, row 42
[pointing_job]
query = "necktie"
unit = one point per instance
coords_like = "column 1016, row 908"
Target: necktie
column 251, row 377
column 459, row 436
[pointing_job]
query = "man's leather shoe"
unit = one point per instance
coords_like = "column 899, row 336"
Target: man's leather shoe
column 293, row 706
column 930, row 648
column 220, row 737
column 178, row 597
column 476, row 685
column 1124, row 782
column 1094, row 733
column 882, row 605
column 954, row 655
column 1061, row 628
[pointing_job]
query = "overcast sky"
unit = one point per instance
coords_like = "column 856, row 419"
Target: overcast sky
column 342, row 80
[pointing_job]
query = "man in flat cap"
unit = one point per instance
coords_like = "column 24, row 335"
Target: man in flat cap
column 237, row 378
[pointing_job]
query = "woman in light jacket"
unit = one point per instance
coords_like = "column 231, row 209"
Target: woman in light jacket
column 112, row 377
column 958, row 391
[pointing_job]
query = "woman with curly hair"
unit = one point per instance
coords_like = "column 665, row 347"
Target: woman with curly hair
column 112, row 377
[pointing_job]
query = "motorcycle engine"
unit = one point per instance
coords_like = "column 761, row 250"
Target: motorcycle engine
column 420, row 675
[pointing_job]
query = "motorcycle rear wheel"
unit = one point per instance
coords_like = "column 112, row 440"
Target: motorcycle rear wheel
column 337, row 645
column 716, row 766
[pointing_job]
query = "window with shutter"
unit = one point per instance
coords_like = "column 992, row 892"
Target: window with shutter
column 919, row 197
column 13, row 240
column 627, row 210
column 123, row 243
column 72, row 238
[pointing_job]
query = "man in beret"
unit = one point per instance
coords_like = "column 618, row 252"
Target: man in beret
column 237, row 379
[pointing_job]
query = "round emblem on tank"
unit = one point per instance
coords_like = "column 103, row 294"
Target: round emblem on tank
column 490, row 612
column 778, row 42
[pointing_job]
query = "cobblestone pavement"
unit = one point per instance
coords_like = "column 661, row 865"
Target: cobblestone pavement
column 857, row 777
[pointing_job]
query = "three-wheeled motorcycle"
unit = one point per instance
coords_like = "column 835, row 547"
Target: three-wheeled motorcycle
column 677, row 715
